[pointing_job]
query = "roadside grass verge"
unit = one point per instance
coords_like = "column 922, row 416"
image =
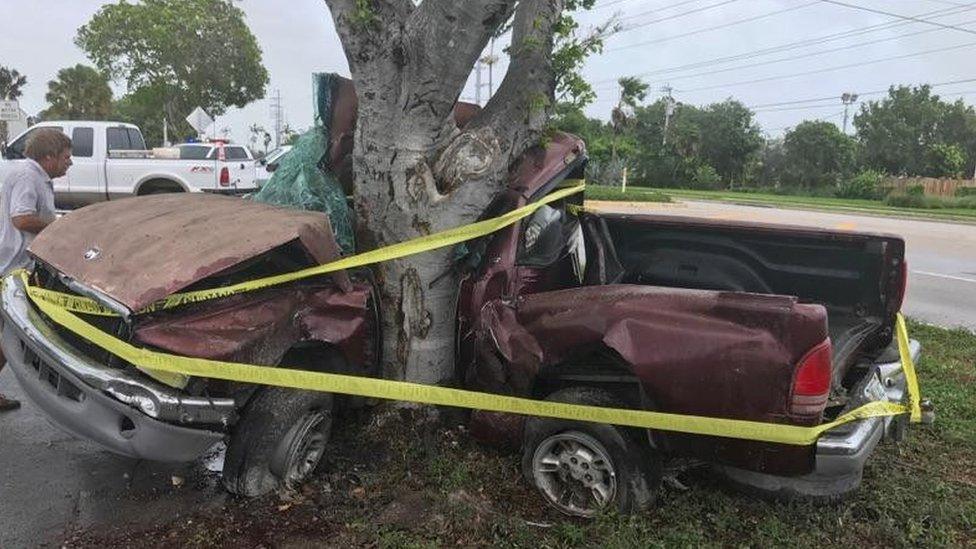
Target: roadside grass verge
column 404, row 476
column 818, row 203
column 601, row 192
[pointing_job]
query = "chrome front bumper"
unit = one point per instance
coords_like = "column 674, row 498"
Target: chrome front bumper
column 842, row 451
column 123, row 410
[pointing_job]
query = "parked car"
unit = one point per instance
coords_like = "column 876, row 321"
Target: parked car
column 110, row 161
column 269, row 164
column 733, row 320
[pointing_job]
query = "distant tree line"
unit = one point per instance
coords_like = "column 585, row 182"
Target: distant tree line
column 910, row 132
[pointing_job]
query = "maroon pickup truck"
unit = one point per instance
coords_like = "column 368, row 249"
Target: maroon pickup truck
column 745, row 321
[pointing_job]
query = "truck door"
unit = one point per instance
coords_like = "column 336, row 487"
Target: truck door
column 238, row 163
column 87, row 172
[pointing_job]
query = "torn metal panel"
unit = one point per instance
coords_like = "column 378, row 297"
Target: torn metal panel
column 143, row 249
column 261, row 328
column 720, row 354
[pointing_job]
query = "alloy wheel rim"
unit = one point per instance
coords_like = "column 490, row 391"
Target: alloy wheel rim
column 575, row 473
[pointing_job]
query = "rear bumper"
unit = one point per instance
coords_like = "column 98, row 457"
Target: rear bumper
column 842, row 451
column 85, row 398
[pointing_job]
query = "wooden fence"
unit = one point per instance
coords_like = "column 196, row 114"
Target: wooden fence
column 933, row 186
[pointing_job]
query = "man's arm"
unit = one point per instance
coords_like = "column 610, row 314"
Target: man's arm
column 31, row 223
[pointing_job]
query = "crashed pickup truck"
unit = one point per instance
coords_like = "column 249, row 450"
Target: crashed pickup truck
column 755, row 322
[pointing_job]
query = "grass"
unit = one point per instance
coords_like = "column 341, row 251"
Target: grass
column 600, row 192
column 820, row 203
column 402, row 477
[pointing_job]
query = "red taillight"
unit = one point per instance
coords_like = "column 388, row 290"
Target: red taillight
column 811, row 382
column 224, row 177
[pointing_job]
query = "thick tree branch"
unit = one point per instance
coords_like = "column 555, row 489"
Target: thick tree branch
column 365, row 25
column 525, row 97
column 516, row 115
column 460, row 27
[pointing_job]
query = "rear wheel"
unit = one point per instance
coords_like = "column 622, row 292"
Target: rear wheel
column 582, row 468
column 279, row 440
column 160, row 186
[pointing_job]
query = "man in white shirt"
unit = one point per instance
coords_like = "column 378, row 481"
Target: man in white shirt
column 27, row 206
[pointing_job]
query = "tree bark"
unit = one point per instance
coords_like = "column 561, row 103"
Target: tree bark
column 415, row 172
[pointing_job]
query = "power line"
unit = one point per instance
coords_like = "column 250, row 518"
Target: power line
column 606, row 5
column 810, row 54
column 712, row 28
column 898, row 16
column 663, row 8
column 829, row 69
column 677, row 15
column 798, row 44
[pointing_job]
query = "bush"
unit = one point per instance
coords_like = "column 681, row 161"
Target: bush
column 705, row 177
column 968, row 202
column 865, row 185
column 915, row 190
column 930, row 202
column 963, row 192
column 906, row 201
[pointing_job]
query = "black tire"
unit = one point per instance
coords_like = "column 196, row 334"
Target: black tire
column 612, row 463
column 278, row 441
column 160, row 187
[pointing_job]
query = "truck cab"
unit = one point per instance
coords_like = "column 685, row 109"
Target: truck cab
column 110, row 160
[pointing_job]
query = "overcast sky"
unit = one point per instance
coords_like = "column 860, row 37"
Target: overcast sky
column 686, row 44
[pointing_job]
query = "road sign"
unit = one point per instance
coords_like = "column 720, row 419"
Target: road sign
column 9, row 110
column 200, row 120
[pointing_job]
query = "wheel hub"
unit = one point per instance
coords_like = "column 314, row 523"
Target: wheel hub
column 306, row 445
column 575, row 473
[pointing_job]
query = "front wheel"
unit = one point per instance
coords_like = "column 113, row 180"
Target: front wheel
column 582, row 468
column 278, row 442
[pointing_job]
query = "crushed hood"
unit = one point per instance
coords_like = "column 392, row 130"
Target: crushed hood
column 140, row 250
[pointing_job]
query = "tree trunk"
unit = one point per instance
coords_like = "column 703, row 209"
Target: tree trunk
column 414, row 171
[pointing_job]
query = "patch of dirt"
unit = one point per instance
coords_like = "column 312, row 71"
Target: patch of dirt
column 396, row 473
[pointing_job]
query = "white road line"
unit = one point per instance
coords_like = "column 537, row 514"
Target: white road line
column 950, row 277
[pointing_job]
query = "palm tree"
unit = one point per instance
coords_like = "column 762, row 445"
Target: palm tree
column 11, row 87
column 632, row 91
column 11, row 83
column 79, row 93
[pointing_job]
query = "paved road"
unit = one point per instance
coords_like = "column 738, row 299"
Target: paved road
column 941, row 255
column 51, row 483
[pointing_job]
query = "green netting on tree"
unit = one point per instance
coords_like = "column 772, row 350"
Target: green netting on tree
column 303, row 180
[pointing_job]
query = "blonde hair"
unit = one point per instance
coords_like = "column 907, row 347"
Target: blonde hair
column 46, row 142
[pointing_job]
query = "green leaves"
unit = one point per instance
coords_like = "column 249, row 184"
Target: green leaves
column 913, row 132
column 177, row 53
column 11, row 83
column 818, row 154
column 78, row 93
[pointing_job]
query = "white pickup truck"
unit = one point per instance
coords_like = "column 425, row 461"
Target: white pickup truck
column 110, row 161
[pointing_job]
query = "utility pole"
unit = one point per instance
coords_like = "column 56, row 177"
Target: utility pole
column 668, row 111
column 848, row 99
column 276, row 114
column 477, row 82
column 487, row 60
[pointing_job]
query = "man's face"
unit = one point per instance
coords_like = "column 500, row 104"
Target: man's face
column 56, row 166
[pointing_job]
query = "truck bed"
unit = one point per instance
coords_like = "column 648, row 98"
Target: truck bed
column 856, row 276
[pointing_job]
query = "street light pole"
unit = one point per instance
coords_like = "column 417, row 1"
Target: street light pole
column 848, row 99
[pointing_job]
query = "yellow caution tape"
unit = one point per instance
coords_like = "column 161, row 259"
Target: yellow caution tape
column 61, row 307
column 908, row 367
column 443, row 396
column 80, row 304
